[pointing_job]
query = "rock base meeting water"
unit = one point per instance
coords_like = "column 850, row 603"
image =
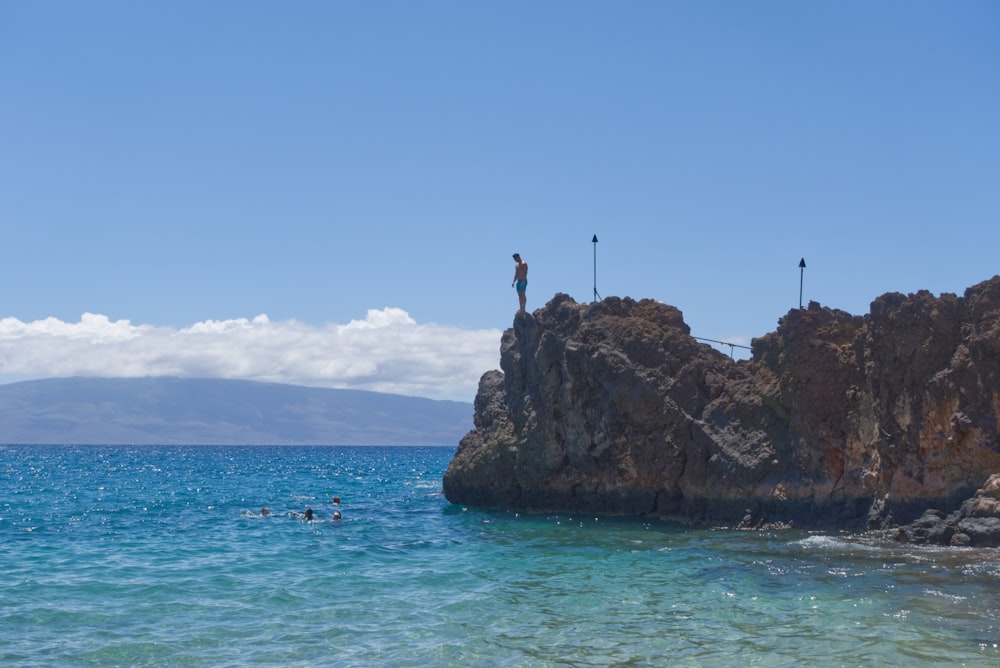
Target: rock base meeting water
column 836, row 422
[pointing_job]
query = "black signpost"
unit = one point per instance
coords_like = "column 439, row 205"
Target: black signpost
column 802, row 271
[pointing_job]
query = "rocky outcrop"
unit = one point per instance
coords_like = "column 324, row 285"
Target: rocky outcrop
column 837, row 420
column 975, row 524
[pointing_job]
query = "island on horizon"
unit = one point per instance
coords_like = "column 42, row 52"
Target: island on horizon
column 178, row 411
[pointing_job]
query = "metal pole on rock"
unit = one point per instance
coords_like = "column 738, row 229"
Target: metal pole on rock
column 596, row 296
column 802, row 271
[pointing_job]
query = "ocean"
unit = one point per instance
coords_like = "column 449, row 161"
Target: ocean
column 160, row 556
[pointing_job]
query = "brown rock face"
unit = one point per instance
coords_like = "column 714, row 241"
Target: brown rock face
column 836, row 421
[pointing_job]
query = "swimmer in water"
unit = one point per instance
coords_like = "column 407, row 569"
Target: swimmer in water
column 336, row 515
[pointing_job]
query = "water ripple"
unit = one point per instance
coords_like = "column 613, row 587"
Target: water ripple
column 160, row 556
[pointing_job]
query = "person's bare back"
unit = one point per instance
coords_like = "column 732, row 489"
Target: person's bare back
column 520, row 280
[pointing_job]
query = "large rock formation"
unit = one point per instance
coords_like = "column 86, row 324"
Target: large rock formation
column 836, row 420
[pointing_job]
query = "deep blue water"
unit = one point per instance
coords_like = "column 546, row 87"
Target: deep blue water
column 159, row 556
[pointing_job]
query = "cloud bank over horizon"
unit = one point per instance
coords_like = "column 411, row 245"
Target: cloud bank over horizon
column 387, row 351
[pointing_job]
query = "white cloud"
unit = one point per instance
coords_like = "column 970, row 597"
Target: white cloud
column 386, row 352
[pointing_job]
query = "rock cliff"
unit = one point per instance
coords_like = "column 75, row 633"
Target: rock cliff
column 837, row 420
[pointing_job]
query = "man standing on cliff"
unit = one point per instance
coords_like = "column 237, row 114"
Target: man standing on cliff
column 520, row 280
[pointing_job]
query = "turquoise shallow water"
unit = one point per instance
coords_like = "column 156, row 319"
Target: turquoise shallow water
column 159, row 556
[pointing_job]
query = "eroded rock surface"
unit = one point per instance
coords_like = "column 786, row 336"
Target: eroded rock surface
column 836, row 421
column 975, row 524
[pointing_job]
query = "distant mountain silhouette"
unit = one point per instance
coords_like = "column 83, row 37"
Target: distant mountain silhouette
column 167, row 411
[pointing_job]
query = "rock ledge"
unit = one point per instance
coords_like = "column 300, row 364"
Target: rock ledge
column 837, row 421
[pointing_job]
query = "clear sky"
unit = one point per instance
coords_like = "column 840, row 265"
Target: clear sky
column 329, row 193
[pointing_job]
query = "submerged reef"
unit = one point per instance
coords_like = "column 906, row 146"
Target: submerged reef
column 836, row 420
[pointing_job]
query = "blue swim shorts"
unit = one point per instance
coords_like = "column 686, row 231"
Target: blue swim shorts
column 522, row 285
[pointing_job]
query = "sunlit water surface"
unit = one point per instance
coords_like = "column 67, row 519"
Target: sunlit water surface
column 156, row 556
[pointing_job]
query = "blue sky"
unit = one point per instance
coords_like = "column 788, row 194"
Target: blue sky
column 176, row 168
